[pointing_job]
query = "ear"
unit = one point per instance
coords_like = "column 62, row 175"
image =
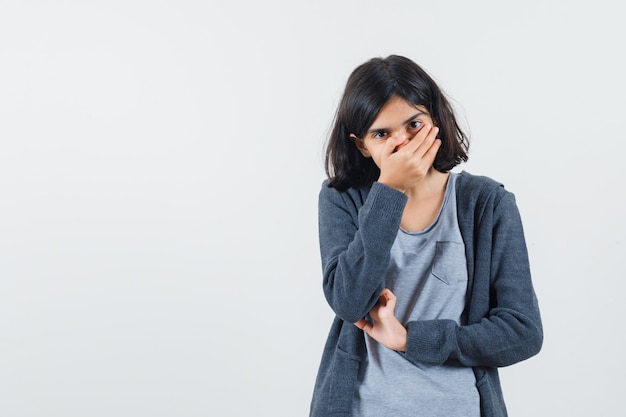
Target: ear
column 360, row 145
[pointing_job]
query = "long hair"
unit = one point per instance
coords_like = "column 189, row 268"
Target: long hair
column 370, row 86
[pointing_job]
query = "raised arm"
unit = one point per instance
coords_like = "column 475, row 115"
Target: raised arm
column 355, row 239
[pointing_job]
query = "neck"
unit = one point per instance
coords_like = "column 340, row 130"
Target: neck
column 433, row 184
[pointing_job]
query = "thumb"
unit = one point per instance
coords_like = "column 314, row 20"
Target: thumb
column 364, row 325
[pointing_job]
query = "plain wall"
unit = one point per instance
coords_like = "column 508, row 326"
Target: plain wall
column 159, row 169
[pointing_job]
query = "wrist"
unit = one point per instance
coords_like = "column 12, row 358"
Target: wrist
column 400, row 338
column 391, row 184
column 403, row 341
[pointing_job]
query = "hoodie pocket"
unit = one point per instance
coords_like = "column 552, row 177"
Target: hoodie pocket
column 491, row 399
column 344, row 371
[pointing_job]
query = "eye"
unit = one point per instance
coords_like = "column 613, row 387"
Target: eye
column 379, row 135
column 415, row 124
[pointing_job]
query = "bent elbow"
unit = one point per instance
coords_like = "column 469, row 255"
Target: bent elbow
column 535, row 341
column 349, row 304
column 529, row 346
column 343, row 308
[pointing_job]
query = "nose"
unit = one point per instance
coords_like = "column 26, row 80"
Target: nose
column 402, row 138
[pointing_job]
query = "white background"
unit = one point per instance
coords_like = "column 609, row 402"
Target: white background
column 159, row 169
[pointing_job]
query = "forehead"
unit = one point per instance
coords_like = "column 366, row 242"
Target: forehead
column 396, row 111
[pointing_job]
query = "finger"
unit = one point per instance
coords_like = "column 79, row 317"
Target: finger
column 391, row 145
column 385, row 296
column 382, row 299
column 427, row 143
column 388, row 293
column 390, row 300
column 364, row 325
column 418, row 139
column 431, row 153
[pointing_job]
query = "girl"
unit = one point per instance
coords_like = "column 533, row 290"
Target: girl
column 426, row 270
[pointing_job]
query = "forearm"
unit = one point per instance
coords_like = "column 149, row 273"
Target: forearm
column 497, row 341
column 355, row 248
column 503, row 319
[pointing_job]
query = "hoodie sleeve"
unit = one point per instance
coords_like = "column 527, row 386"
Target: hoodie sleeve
column 355, row 242
column 511, row 329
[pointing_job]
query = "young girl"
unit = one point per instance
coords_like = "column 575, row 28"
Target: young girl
column 426, row 270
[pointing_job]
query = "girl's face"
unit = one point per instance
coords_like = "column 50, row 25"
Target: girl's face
column 398, row 119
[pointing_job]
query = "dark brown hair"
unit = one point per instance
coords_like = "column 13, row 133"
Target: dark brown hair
column 370, row 86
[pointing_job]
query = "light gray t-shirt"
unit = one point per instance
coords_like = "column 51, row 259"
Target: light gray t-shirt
column 428, row 275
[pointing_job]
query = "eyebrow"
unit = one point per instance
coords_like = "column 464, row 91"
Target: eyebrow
column 384, row 129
